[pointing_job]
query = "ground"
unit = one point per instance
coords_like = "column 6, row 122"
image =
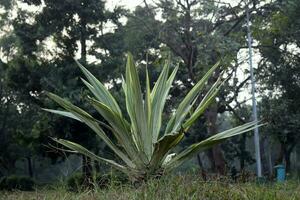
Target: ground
column 169, row 188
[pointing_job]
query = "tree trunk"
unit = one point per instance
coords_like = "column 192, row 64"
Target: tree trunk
column 29, row 165
column 243, row 151
column 203, row 172
column 4, row 121
column 280, row 156
column 263, row 154
column 83, row 38
column 269, row 157
column 217, row 155
column 199, row 161
column 284, row 156
column 287, row 157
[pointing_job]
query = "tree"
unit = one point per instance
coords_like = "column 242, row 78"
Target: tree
column 283, row 126
column 236, row 147
column 40, row 48
column 6, row 110
column 279, row 44
column 199, row 33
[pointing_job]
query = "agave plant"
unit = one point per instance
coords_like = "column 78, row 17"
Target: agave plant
column 143, row 148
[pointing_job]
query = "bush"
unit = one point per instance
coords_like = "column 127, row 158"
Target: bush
column 13, row 182
column 79, row 182
column 118, row 178
column 141, row 148
column 75, row 182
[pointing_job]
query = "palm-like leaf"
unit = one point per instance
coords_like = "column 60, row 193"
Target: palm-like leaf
column 141, row 146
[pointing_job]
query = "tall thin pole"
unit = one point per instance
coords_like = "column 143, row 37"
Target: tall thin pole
column 254, row 110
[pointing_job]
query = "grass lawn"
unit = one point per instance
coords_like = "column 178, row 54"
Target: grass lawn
column 171, row 188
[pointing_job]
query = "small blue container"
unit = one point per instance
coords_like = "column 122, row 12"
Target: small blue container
column 280, row 171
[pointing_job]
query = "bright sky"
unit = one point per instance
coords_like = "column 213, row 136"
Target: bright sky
column 130, row 4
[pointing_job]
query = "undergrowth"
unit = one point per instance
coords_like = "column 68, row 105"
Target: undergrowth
column 177, row 187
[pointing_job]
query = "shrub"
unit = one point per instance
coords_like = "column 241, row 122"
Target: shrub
column 78, row 182
column 144, row 150
column 17, row 183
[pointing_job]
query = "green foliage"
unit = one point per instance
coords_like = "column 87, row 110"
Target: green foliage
column 172, row 188
column 78, row 182
column 141, row 32
column 196, row 33
column 27, row 57
column 236, row 147
column 144, row 149
column 17, row 183
column 283, row 126
column 277, row 34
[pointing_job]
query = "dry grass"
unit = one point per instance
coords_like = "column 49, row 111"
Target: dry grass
column 170, row 188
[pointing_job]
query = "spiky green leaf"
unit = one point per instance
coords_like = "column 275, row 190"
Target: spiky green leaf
column 99, row 90
column 80, row 149
column 186, row 104
column 208, row 143
column 92, row 123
